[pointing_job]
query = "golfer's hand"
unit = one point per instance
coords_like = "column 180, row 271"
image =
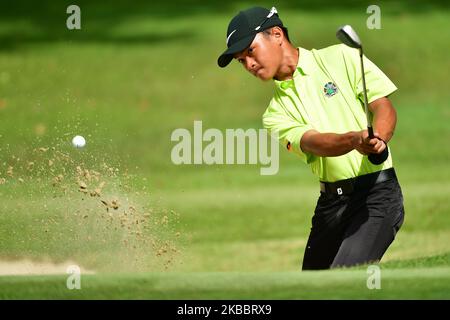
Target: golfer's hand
column 364, row 145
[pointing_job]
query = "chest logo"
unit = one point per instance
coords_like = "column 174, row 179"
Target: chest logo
column 330, row 89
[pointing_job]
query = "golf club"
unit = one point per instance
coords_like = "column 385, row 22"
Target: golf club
column 349, row 37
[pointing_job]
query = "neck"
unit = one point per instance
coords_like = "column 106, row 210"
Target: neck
column 288, row 64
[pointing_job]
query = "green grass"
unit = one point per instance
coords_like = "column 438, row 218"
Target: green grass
column 133, row 75
column 418, row 279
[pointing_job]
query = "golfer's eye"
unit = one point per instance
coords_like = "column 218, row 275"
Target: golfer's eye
column 250, row 50
column 241, row 61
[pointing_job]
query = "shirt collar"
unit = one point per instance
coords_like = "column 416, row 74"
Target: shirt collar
column 305, row 61
column 303, row 68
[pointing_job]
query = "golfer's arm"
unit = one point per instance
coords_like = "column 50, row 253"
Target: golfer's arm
column 384, row 118
column 328, row 144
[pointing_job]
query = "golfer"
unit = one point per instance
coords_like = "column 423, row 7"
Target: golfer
column 317, row 111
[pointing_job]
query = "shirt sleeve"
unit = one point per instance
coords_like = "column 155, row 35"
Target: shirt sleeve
column 287, row 129
column 377, row 83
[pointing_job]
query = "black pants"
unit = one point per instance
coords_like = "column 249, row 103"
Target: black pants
column 355, row 228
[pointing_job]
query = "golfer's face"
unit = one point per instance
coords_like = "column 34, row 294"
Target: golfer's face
column 261, row 58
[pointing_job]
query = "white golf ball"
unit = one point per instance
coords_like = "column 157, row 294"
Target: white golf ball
column 78, row 142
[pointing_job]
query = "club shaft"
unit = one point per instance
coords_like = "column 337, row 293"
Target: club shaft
column 366, row 104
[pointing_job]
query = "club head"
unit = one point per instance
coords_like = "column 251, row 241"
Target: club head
column 348, row 36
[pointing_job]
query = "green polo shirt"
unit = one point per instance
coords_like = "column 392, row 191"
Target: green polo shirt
column 326, row 94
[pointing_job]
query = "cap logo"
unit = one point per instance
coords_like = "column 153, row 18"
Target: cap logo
column 229, row 36
column 271, row 13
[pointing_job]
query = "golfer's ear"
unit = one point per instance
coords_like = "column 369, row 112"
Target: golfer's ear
column 277, row 33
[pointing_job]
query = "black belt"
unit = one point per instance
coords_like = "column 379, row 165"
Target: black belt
column 359, row 183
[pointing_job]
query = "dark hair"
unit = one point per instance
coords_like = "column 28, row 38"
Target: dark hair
column 285, row 32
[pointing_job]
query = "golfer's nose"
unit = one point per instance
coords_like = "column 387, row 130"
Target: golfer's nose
column 250, row 63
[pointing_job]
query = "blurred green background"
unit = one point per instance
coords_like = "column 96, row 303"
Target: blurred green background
column 137, row 71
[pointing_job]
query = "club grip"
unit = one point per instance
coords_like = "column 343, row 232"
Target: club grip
column 377, row 158
column 370, row 131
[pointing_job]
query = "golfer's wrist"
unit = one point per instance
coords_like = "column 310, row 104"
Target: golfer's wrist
column 355, row 139
column 384, row 140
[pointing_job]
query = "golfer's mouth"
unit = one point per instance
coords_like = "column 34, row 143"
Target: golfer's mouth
column 257, row 72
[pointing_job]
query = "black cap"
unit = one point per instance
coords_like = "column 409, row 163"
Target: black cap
column 243, row 29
